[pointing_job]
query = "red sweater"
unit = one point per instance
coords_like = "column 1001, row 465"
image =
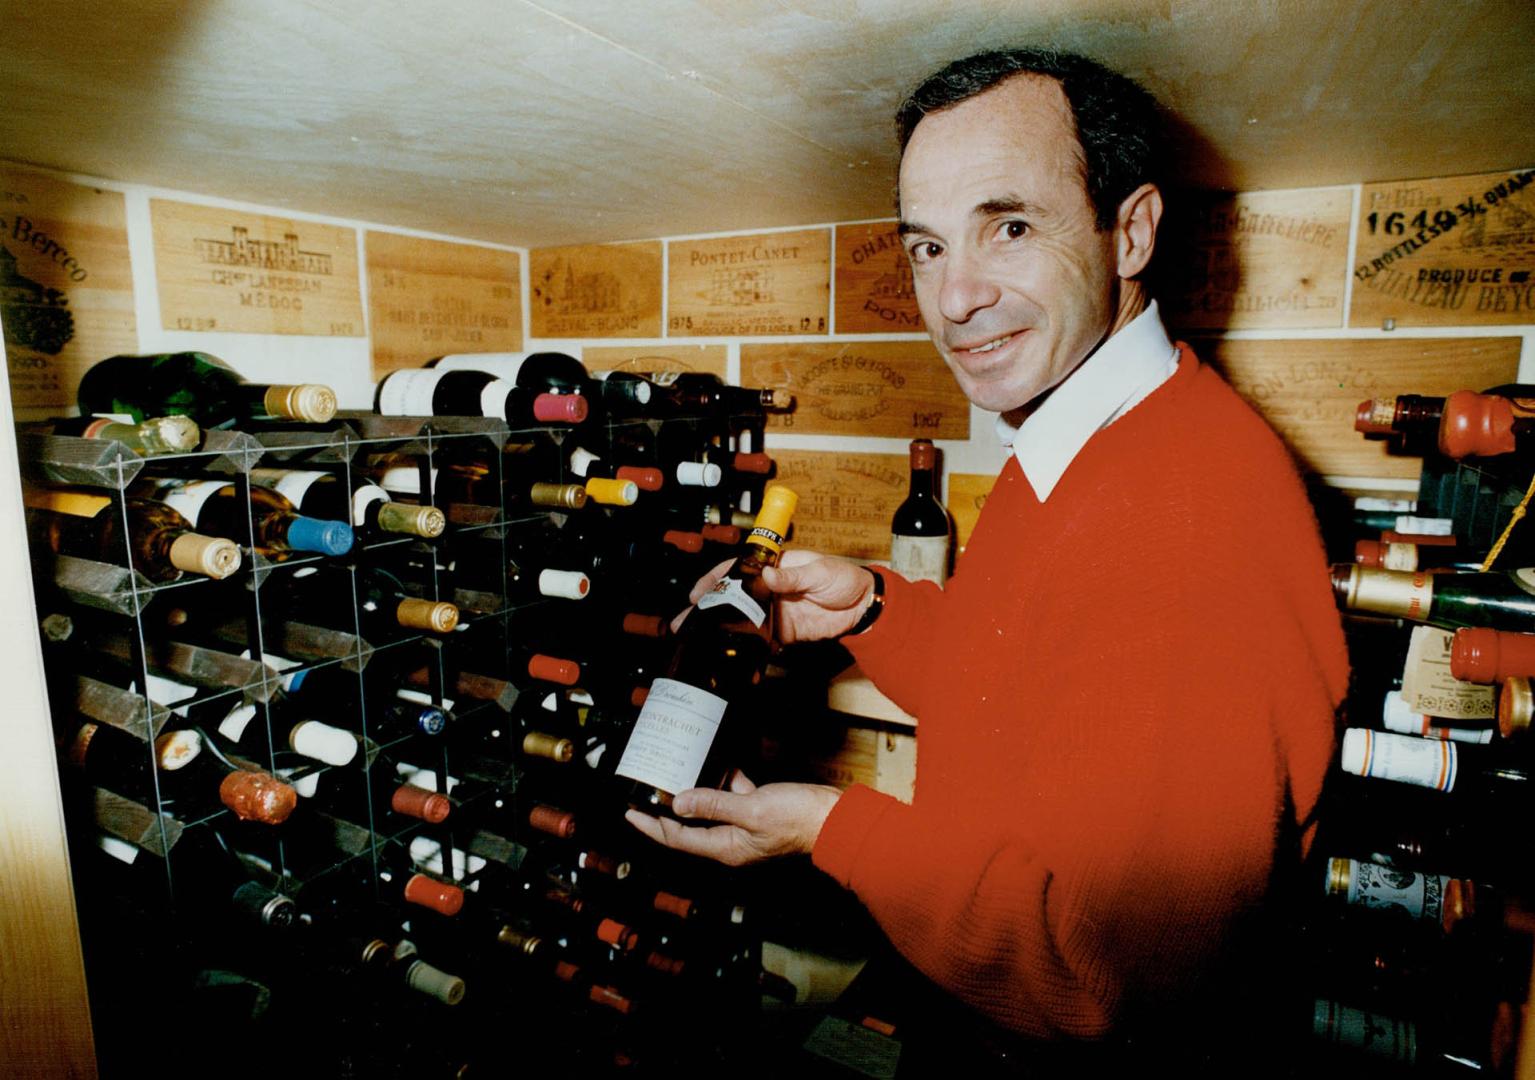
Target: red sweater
column 1122, row 693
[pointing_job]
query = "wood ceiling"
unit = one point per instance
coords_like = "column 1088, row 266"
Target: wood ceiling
column 569, row 121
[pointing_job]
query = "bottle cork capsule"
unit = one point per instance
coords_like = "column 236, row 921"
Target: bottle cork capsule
column 540, row 744
column 426, row 521
column 418, row 802
column 212, row 556
column 558, row 496
column 434, row 982
column 437, row 616
column 257, row 796
column 439, row 896
column 170, row 434
column 1516, row 703
column 309, row 402
column 612, row 492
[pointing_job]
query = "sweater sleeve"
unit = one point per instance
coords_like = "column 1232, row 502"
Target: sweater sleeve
column 884, row 651
column 1154, row 835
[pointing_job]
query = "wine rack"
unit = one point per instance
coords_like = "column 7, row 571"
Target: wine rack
column 1416, row 942
column 500, row 913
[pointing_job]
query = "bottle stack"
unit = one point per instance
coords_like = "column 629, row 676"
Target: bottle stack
column 1417, row 938
column 340, row 700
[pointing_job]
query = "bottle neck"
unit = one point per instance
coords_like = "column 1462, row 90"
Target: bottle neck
column 921, row 483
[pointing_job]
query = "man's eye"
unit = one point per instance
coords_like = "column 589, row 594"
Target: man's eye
column 1014, row 230
column 925, row 251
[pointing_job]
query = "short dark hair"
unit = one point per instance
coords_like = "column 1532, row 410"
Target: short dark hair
column 1117, row 121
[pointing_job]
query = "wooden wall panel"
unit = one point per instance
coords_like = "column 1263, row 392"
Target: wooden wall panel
column 896, row 389
column 1263, row 259
column 846, row 500
column 967, row 494
column 874, row 288
column 666, row 357
column 1309, row 389
column 596, row 290
column 428, row 298
column 745, row 286
column 220, row 269
column 1449, row 252
column 66, row 286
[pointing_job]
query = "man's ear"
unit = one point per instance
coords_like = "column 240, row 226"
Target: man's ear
column 1135, row 229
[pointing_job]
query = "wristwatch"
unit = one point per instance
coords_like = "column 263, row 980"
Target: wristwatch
column 872, row 612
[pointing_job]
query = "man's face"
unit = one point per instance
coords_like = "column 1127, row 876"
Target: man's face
column 1015, row 282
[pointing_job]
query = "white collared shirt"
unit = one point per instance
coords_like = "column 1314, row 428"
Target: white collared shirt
column 1118, row 376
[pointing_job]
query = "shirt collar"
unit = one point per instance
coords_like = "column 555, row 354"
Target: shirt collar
column 1109, row 383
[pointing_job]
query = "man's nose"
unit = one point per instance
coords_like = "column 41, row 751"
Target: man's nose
column 966, row 288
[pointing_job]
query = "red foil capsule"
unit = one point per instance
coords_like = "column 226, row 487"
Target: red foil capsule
column 643, row 478
column 553, row 669
column 257, row 796
column 690, row 542
column 428, row 892
column 644, row 625
column 556, row 822
column 616, row 934
column 760, row 464
column 418, row 802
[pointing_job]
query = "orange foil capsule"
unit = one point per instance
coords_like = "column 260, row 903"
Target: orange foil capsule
column 428, row 892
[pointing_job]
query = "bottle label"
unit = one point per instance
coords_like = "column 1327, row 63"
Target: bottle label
column 502, row 365
column 234, row 724
column 1425, row 762
column 408, row 393
column 1525, row 579
column 1429, row 687
column 493, row 397
column 1399, row 556
column 365, row 495
column 404, row 479
column 291, row 484
column 1409, row 523
column 1374, row 886
column 729, row 590
column 672, row 736
column 187, row 498
column 662, row 378
column 75, row 503
column 1379, row 1036
column 920, row 558
column 581, row 460
column 163, row 691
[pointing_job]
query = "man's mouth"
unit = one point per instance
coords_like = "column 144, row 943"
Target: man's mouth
column 990, row 346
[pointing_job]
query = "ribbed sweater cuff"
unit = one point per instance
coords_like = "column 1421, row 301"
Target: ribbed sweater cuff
column 847, row 830
column 890, row 630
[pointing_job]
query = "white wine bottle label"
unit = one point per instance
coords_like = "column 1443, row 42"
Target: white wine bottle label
column 502, row 365
column 1397, row 715
column 404, row 480
column 421, row 697
column 1398, row 556
column 662, row 378
column 291, row 484
column 920, row 558
column 581, row 460
column 188, row 498
column 362, row 498
column 672, row 736
column 1374, row 886
column 1385, row 506
column 120, row 850
column 1429, row 687
column 493, row 397
column 728, row 590
column 233, row 726
column 408, row 393
column 1406, row 523
column 1424, row 762
column 163, row 691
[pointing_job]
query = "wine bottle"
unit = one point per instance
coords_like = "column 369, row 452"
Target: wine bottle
column 442, row 392
column 372, row 513
column 1437, row 899
column 590, row 466
column 216, row 508
column 160, row 542
column 1398, row 716
column 115, row 760
column 1397, row 555
column 704, row 394
column 157, row 435
column 379, row 606
column 1481, row 655
column 197, row 385
column 1430, row 763
column 624, row 393
column 921, row 529
column 1429, row 1048
column 290, row 727
column 364, row 703
column 252, row 793
column 1464, row 424
column 1501, row 599
column 682, row 737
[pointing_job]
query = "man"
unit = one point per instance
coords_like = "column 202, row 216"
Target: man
column 1126, row 694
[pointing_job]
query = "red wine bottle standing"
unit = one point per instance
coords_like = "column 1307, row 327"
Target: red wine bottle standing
column 921, row 529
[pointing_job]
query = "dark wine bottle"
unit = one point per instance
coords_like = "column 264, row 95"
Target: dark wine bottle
column 1501, row 599
column 216, row 508
column 372, row 513
column 921, row 529
column 197, row 385
column 157, row 435
column 160, row 543
column 442, row 392
column 1464, row 424
column 682, row 737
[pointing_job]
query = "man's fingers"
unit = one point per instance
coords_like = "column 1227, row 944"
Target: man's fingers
column 740, row 784
column 715, row 842
column 711, row 805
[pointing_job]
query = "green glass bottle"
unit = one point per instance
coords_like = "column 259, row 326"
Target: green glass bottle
column 198, row 385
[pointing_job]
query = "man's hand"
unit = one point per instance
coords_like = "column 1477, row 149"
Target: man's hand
column 819, row 597
column 755, row 823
